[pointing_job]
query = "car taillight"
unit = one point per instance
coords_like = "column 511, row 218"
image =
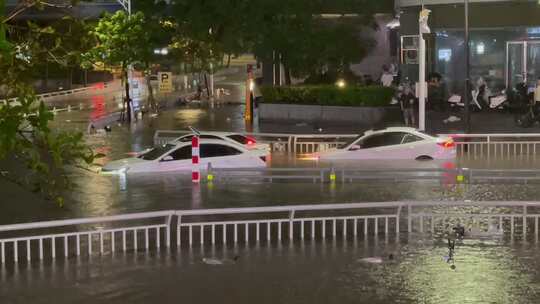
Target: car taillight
column 449, row 143
column 263, row 158
column 251, row 141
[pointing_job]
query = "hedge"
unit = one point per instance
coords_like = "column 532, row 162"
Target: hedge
column 329, row 95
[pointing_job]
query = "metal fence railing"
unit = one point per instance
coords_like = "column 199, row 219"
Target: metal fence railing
column 469, row 146
column 40, row 240
column 67, row 93
column 283, row 222
column 496, row 146
column 344, row 175
column 153, row 230
column 279, row 142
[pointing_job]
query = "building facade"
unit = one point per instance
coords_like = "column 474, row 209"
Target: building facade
column 504, row 41
column 59, row 8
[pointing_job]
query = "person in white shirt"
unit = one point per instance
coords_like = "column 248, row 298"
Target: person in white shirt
column 387, row 78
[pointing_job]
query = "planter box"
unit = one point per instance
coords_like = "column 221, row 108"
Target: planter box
column 313, row 113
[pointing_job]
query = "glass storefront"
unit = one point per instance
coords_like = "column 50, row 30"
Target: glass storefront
column 502, row 57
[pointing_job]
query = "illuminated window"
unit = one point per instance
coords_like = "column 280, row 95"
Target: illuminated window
column 445, row 55
column 480, row 48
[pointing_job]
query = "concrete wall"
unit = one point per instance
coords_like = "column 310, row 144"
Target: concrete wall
column 313, row 113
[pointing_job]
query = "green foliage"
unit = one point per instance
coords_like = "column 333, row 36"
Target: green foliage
column 307, row 43
column 4, row 45
column 31, row 154
column 204, row 31
column 121, row 40
column 329, row 95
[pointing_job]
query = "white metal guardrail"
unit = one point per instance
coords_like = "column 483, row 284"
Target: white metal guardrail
column 284, row 222
column 470, row 146
column 281, row 142
column 78, row 236
column 45, row 96
column 324, row 175
column 494, row 146
column 133, row 232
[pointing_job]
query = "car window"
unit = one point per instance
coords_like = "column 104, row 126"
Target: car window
column 181, row 153
column 382, row 139
column 157, row 152
column 351, row 140
column 410, row 138
column 188, row 138
column 216, row 150
column 239, row 138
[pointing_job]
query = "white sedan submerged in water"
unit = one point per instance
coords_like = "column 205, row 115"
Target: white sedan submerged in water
column 394, row 143
column 178, row 157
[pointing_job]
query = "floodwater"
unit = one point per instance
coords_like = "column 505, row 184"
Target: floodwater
column 103, row 195
column 488, row 271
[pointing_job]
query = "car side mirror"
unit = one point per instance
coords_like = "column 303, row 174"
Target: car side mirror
column 167, row 158
column 354, row 148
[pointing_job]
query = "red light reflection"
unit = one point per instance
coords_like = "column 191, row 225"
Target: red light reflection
column 98, row 106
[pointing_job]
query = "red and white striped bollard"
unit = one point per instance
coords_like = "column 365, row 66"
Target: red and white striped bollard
column 195, row 172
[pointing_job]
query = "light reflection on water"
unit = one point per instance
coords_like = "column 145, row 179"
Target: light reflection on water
column 306, row 272
column 322, row 272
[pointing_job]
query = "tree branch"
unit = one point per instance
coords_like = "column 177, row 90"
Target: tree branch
column 32, row 4
column 19, row 11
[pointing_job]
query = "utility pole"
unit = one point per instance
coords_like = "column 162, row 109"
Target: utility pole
column 467, row 71
column 422, row 89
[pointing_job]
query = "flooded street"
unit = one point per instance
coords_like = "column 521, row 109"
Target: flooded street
column 96, row 194
column 330, row 271
column 306, row 272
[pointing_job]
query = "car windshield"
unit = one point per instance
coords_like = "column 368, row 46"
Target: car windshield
column 350, row 141
column 156, row 152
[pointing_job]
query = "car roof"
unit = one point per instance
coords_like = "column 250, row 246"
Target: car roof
column 397, row 129
column 212, row 133
column 214, row 141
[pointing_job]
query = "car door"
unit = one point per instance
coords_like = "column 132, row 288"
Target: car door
column 413, row 146
column 221, row 156
column 176, row 160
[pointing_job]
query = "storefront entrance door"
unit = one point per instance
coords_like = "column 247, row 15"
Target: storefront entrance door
column 522, row 63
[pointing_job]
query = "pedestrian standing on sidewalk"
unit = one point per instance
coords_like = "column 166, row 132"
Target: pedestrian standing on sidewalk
column 387, row 78
column 407, row 102
column 435, row 93
column 199, row 91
